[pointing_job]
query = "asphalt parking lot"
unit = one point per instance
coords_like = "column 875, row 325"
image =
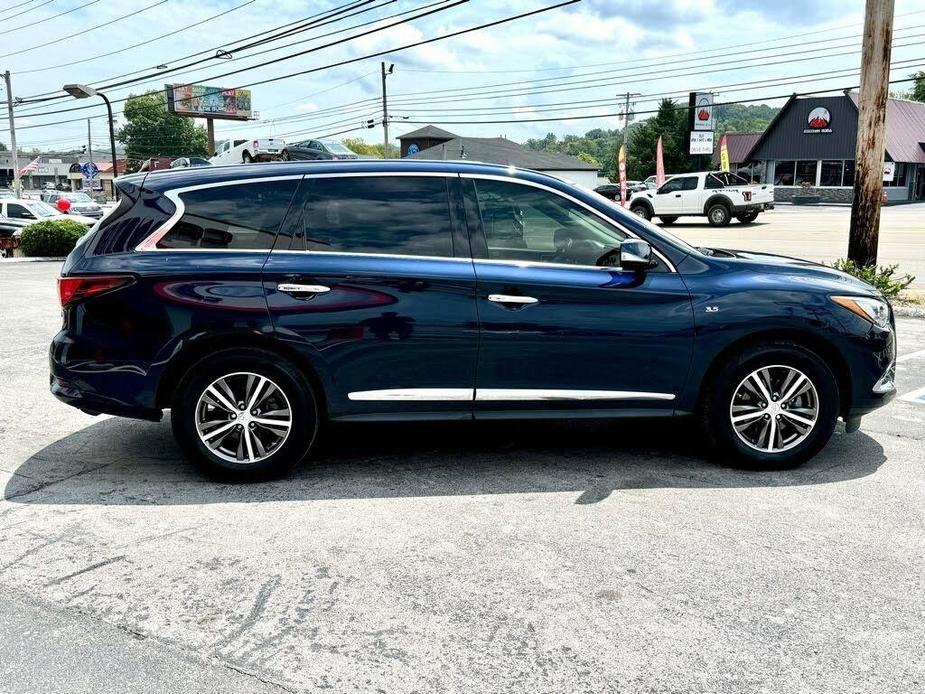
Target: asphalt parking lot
column 819, row 233
column 504, row 558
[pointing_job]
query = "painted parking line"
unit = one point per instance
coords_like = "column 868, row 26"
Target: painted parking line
column 911, row 355
column 916, row 396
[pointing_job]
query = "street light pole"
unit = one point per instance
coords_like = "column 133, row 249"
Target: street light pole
column 82, row 91
column 17, row 186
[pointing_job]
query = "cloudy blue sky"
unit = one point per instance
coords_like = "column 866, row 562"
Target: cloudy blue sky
column 559, row 72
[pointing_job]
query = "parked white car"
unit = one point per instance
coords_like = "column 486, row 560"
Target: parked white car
column 717, row 195
column 16, row 215
column 246, row 151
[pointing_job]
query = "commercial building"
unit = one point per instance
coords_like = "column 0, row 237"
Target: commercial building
column 57, row 169
column 434, row 143
column 810, row 146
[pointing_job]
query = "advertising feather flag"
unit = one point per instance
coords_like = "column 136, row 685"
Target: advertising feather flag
column 659, row 163
column 723, row 155
column 621, row 161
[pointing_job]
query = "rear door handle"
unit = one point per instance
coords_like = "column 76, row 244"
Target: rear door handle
column 678, row 195
column 291, row 288
column 512, row 299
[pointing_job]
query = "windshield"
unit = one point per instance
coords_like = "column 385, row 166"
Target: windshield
column 78, row 197
column 43, row 209
column 337, row 148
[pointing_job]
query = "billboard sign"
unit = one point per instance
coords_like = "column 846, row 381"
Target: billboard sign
column 889, row 171
column 819, row 120
column 701, row 111
column 201, row 101
column 701, row 142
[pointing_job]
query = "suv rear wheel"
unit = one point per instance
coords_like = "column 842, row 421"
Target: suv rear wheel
column 773, row 406
column 245, row 414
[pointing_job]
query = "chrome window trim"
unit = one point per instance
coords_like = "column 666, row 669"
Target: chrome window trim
column 149, row 243
column 589, row 208
column 455, row 259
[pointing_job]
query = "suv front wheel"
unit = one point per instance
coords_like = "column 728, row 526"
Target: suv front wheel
column 773, row 406
column 245, row 414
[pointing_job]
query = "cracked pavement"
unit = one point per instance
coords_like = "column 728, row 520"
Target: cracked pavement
column 500, row 557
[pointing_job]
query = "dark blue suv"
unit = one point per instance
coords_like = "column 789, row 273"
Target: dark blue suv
column 257, row 301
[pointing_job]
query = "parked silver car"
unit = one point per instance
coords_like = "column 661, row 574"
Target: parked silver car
column 15, row 215
column 81, row 203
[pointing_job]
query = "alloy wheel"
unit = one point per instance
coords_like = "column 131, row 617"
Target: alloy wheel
column 243, row 417
column 774, row 408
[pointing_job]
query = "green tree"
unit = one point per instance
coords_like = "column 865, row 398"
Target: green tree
column 670, row 123
column 2, row 147
column 361, row 146
column 597, row 147
column 150, row 131
column 742, row 118
column 917, row 93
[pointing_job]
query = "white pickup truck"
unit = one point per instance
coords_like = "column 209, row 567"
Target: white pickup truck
column 246, row 151
column 716, row 195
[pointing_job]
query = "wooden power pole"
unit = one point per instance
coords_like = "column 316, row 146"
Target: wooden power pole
column 868, row 173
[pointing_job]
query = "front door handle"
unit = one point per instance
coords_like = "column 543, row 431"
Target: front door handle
column 678, row 195
column 512, row 299
column 291, row 288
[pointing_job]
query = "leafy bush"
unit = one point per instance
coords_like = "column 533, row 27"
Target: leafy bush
column 880, row 277
column 51, row 238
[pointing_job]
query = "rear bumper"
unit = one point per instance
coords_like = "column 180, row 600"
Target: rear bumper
column 124, row 390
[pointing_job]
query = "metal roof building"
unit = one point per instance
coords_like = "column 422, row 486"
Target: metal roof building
column 442, row 145
column 811, row 143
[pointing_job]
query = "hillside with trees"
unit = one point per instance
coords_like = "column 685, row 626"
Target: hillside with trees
column 600, row 146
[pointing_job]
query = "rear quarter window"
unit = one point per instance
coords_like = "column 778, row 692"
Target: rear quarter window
column 235, row 216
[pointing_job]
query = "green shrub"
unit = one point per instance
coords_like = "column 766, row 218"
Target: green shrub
column 51, row 238
column 880, row 277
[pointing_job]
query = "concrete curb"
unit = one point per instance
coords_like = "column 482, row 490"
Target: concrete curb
column 909, row 311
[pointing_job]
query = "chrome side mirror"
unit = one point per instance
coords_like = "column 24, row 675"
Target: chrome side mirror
column 635, row 254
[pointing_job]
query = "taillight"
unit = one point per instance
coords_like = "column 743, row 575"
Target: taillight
column 74, row 289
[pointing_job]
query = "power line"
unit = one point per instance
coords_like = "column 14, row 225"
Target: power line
column 441, row 8
column 31, row 9
column 85, row 31
column 47, row 19
column 136, row 45
column 227, row 47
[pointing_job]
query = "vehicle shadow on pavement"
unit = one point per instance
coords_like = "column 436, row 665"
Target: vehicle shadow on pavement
column 124, row 462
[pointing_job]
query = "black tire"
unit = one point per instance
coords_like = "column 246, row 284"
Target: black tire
column 291, row 382
column 246, row 158
column 747, row 217
column 668, row 221
column 642, row 211
column 718, row 214
column 716, row 406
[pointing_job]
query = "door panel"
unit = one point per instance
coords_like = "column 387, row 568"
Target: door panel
column 567, row 334
column 388, row 334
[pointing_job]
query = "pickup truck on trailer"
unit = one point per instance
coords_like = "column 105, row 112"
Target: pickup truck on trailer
column 246, row 151
column 717, row 195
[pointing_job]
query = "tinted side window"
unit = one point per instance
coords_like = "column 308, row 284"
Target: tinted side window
column 404, row 215
column 525, row 223
column 687, row 182
column 670, row 186
column 246, row 216
column 18, row 212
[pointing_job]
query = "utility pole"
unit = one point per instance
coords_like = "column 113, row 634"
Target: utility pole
column 868, row 171
column 17, row 186
column 385, row 110
column 628, row 108
column 89, row 143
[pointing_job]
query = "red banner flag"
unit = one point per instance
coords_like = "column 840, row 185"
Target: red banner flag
column 659, row 163
column 621, row 161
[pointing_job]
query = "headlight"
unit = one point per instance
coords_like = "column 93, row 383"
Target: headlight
column 874, row 310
